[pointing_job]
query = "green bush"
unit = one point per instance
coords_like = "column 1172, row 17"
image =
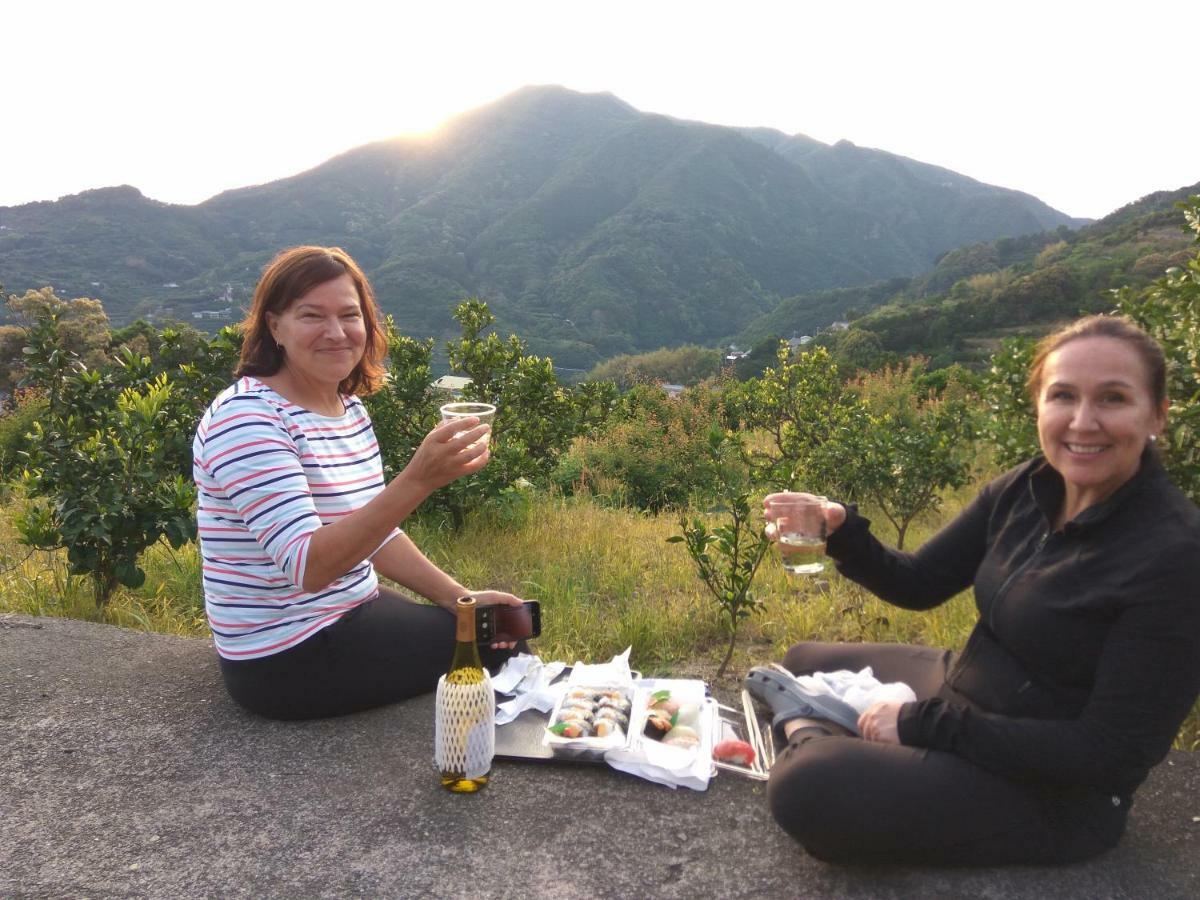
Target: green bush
column 653, row 453
column 16, row 424
column 1169, row 309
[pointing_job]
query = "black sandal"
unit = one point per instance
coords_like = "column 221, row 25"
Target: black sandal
column 779, row 690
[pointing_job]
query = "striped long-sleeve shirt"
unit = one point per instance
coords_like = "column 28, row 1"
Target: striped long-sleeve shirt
column 268, row 474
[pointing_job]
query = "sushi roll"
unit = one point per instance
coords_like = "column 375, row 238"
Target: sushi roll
column 607, row 728
column 581, row 694
column 619, row 703
column 612, row 715
column 578, row 703
column 572, row 729
column 657, row 725
column 574, row 714
column 610, row 695
column 682, row 736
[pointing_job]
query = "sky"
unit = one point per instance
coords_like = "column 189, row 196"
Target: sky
column 1086, row 105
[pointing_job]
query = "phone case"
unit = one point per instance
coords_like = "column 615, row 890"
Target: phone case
column 489, row 624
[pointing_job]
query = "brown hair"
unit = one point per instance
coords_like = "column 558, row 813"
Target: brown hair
column 1121, row 328
column 291, row 275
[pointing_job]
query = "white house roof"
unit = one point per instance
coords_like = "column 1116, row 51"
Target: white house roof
column 451, row 383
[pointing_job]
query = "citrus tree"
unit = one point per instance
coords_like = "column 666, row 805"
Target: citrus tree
column 1169, row 309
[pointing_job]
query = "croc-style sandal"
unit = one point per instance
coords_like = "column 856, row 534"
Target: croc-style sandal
column 779, row 690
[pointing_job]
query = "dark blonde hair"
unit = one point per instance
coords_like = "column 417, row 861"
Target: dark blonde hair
column 288, row 277
column 1121, row 328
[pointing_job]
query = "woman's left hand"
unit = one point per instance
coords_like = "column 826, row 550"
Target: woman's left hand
column 879, row 722
column 497, row 598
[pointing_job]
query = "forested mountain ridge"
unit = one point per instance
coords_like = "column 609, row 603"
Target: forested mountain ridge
column 589, row 227
column 980, row 292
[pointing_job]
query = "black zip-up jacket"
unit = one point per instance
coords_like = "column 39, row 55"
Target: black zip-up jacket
column 1086, row 656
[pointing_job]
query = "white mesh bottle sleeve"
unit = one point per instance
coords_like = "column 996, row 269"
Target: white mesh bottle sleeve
column 465, row 727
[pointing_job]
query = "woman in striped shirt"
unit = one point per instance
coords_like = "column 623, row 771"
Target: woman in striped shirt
column 295, row 517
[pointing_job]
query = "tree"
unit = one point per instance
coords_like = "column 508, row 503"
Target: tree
column 1010, row 425
column 809, row 418
column 102, row 469
column 1169, row 309
column 536, row 416
column 728, row 555
column 404, row 410
column 912, row 445
column 81, row 326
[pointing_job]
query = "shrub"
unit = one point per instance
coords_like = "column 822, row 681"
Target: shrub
column 16, row 423
column 654, row 448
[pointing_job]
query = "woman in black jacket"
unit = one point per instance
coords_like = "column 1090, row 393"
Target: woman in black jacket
column 1028, row 745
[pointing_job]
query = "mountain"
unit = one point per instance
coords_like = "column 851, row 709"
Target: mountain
column 589, row 227
column 977, row 293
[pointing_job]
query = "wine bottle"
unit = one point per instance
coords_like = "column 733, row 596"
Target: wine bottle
column 465, row 723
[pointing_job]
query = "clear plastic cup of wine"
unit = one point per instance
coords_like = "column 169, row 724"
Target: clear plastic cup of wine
column 800, row 532
column 484, row 412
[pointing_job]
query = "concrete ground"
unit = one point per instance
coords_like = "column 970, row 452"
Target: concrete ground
column 125, row 771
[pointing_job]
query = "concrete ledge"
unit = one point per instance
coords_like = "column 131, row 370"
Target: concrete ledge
column 126, row 771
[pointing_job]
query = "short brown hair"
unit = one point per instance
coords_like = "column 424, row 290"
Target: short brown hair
column 288, row 277
column 1121, row 328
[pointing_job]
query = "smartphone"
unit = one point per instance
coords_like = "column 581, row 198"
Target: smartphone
column 501, row 623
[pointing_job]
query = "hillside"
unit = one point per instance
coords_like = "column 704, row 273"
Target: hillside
column 588, row 226
column 977, row 293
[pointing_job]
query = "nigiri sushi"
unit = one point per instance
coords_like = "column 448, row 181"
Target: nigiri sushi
column 681, row 736
column 734, row 751
column 657, row 725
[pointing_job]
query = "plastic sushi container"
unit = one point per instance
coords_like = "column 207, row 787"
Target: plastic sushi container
column 589, row 719
column 672, row 713
column 742, row 740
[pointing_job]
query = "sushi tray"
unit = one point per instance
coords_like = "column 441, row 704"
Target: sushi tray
column 527, row 737
column 660, row 719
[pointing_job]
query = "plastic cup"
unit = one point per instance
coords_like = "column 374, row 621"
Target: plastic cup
column 800, row 532
column 484, row 412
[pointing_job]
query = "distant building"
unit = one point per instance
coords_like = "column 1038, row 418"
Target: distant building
column 734, row 354
column 218, row 314
column 795, row 343
column 452, row 385
column 839, row 326
column 672, row 390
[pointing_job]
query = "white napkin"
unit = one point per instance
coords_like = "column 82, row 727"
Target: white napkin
column 858, row 689
column 615, row 672
column 662, row 763
column 528, row 679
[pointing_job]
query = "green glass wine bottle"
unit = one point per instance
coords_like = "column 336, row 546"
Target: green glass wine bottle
column 465, row 724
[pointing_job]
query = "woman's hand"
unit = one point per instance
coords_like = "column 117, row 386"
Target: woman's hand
column 835, row 513
column 448, row 453
column 497, row 598
column 879, row 722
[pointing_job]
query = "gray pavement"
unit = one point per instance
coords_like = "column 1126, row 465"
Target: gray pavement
column 125, row 771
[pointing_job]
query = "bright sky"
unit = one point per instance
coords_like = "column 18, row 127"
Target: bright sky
column 1086, row 105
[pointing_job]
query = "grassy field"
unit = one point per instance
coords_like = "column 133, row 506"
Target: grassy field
column 606, row 577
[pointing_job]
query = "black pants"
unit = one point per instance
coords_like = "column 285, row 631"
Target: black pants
column 854, row 801
column 383, row 651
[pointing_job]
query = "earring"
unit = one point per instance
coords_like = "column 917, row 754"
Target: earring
column 1153, row 438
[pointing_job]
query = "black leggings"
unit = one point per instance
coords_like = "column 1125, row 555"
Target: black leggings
column 385, row 650
column 853, row 801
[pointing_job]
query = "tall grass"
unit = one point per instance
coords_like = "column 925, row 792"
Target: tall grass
column 606, row 577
